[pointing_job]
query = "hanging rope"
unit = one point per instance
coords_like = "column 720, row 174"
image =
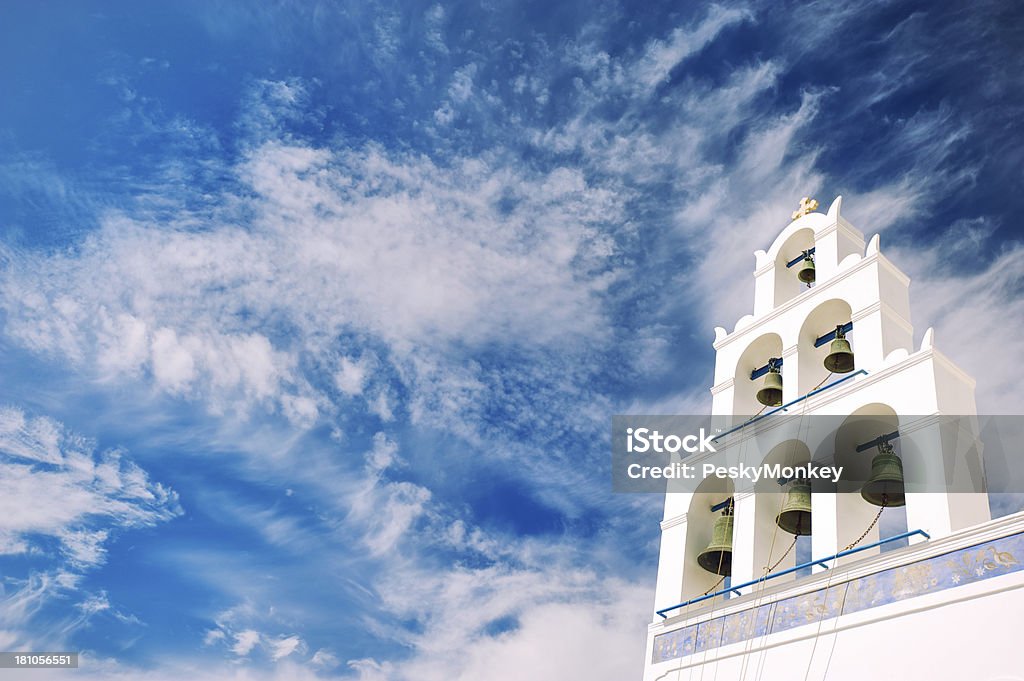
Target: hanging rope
column 721, row 560
column 831, row 652
column 759, row 667
column 828, row 583
column 716, row 583
column 730, row 509
column 758, row 593
column 821, row 618
column 759, row 588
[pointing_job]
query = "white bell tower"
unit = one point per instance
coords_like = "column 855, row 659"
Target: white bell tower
column 867, row 609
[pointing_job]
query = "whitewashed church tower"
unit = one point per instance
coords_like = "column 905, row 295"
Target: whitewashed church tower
column 825, row 369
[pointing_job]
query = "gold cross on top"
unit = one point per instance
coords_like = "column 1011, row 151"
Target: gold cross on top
column 806, row 206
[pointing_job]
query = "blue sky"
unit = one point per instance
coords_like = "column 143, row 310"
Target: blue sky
column 313, row 315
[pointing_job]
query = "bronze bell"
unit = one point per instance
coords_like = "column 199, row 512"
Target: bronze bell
column 806, row 271
column 717, row 557
column 840, row 355
column 770, row 394
column 885, row 485
column 795, row 516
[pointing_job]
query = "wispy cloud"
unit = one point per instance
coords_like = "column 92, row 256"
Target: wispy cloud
column 359, row 242
column 62, row 502
column 88, row 493
column 661, row 56
column 968, row 297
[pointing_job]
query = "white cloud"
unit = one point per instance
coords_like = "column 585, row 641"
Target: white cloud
column 236, row 630
column 661, row 56
column 95, row 603
column 88, row 493
column 417, row 255
column 62, row 501
column 970, row 309
column 84, row 548
column 214, row 636
column 380, row 405
column 123, row 344
column 461, row 88
column 245, row 641
column 552, row 620
column 173, row 365
column 731, row 211
column 385, row 510
column 283, row 647
column 324, row 658
column 434, row 24
column 350, row 376
column 30, row 438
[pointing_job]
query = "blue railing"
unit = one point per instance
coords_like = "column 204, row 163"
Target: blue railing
column 819, row 561
column 789, row 404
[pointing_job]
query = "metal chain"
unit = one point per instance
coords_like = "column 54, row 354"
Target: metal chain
column 873, row 523
column 767, row 570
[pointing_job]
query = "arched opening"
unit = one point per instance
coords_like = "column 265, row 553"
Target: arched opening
column 854, row 514
column 823, row 319
column 774, row 547
column 787, row 285
column 754, row 357
column 700, row 522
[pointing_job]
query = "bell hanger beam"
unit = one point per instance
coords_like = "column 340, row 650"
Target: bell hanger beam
column 831, row 335
column 758, row 373
column 722, row 506
column 800, row 258
column 881, row 439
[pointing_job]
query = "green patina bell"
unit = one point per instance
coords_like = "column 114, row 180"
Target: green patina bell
column 885, row 485
column 806, row 271
column 770, row 393
column 840, row 355
column 795, row 516
column 717, row 557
